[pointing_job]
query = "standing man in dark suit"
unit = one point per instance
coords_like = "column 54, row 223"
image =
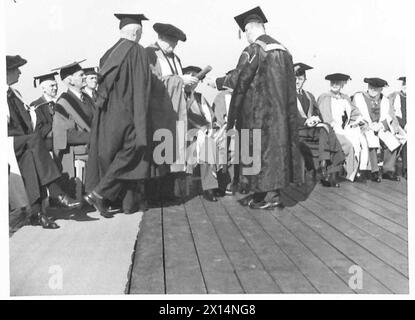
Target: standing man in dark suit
column 38, row 169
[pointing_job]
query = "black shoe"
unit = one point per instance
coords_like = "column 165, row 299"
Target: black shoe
column 333, row 180
column 360, row 177
column 375, row 177
column 265, row 205
column 243, row 189
column 391, row 176
column 325, row 182
column 65, row 201
column 218, row 193
column 99, row 205
column 209, row 196
column 40, row 219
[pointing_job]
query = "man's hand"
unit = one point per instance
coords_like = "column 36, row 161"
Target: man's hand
column 189, row 80
column 375, row 126
column 312, row 121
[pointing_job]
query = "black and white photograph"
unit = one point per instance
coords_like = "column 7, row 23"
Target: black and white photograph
column 219, row 148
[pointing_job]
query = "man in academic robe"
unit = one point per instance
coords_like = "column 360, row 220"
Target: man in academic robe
column 91, row 83
column 45, row 106
column 382, row 129
column 264, row 98
column 338, row 110
column 118, row 154
column 72, row 120
column 168, row 106
column 318, row 142
column 398, row 103
column 36, row 165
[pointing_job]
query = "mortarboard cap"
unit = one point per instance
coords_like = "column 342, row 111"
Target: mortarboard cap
column 91, row 70
column 69, row 69
column 170, row 31
column 126, row 18
column 13, row 62
column 338, row 77
column 376, row 82
column 44, row 77
column 300, row 68
column 402, row 79
column 254, row 14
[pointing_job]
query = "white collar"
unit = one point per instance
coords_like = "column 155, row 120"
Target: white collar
column 77, row 94
column 48, row 98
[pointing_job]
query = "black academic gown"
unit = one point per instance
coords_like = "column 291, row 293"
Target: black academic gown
column 119, row 136
column 264, row 98
column 44, row 114
column 320, row 142
column 35, row 163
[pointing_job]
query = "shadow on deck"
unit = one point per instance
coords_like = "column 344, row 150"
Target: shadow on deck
column 321, row 242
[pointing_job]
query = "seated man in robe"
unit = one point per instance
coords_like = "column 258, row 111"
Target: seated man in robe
column 72, row 120
column 45, row 105
column 398, row 103
column 381, row 131
column 319, row 144
column 200, row 118
column 36, row 165
column 338, row 110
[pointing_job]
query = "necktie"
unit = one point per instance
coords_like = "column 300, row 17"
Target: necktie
column 33, row 116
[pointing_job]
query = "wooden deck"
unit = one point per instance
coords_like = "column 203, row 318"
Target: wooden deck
column 308, row 247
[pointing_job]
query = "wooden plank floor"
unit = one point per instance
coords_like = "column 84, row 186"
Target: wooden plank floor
column 307, row 247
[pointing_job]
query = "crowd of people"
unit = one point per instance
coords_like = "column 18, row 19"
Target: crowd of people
column 109, row 116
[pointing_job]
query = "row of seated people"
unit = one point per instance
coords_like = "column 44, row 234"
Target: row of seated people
column 341, row 133
column 335, row 132
column 48, row 135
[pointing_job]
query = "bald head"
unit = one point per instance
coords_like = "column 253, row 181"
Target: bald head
column 131, row 32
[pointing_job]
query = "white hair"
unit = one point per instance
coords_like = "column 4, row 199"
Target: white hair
column 129, row 31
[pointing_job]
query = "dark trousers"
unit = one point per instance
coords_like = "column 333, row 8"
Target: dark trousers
column 373, row 160
column 317, row 145
column 389, row 160
column 36, row 165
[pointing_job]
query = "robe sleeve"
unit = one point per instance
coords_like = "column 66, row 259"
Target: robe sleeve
column 355, row 114
column 243, row 76
column 293, row 114
column 324, row 107
column 231, row 79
